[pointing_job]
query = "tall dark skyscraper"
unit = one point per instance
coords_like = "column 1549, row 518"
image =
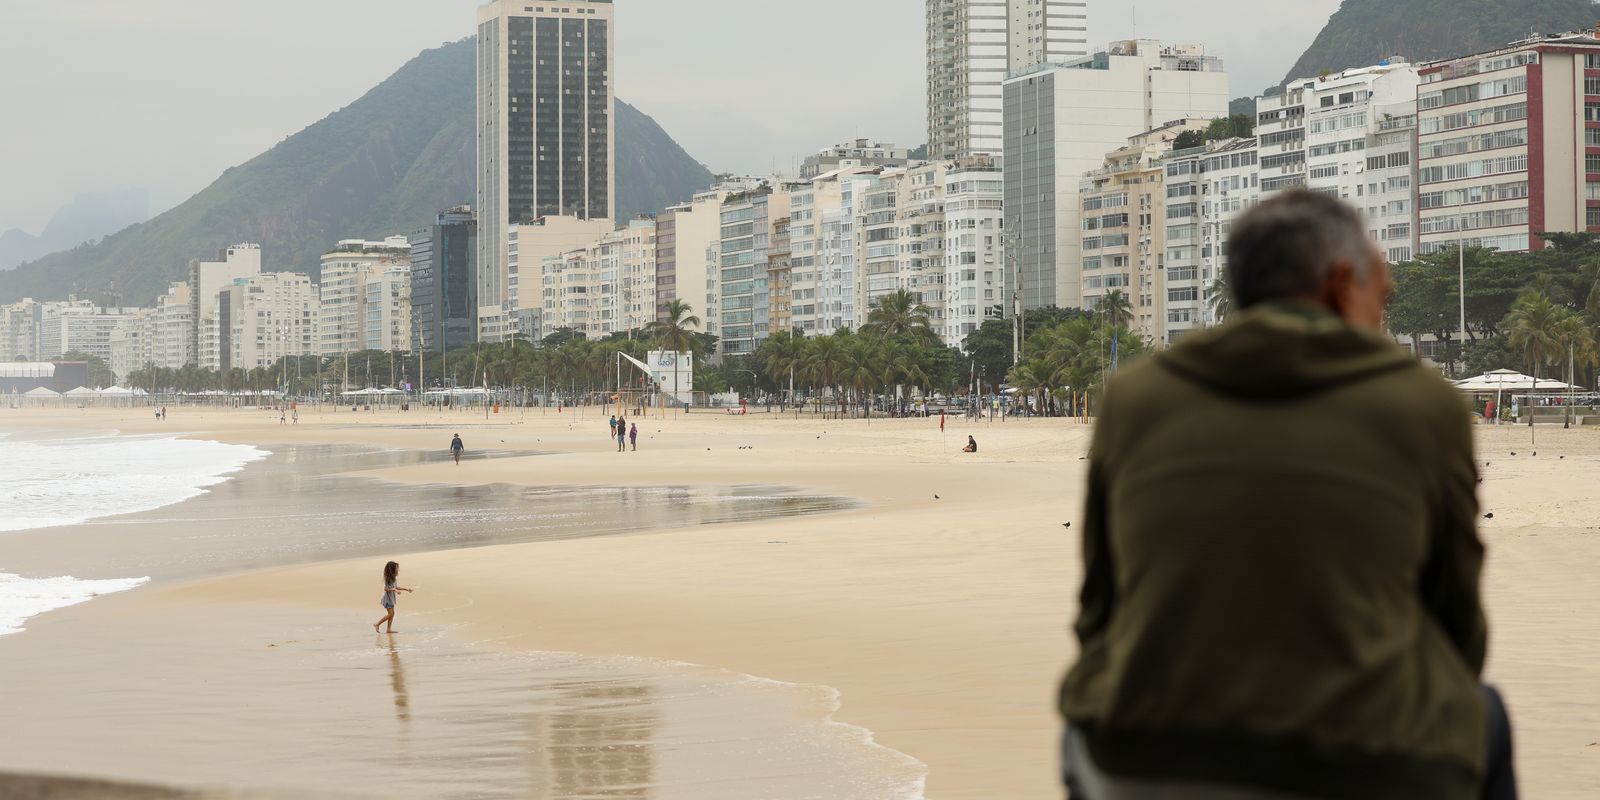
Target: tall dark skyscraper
column 444, row 282
column 546, row 137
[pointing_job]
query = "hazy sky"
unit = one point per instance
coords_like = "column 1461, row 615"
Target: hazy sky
column 98, row 95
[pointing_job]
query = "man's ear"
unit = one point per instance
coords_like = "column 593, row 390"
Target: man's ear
column 1338, row 287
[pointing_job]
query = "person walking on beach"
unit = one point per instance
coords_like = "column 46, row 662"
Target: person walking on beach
column 1280, row 556
column 622, row 434
column 456, row 447
column 633, row 435
column 613, row 426
column 391, row 573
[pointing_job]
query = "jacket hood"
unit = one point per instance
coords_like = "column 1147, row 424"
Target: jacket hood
column 1281, row 351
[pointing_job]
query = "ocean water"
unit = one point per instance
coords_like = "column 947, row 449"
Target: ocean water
column 60, row 480
column 50, row 480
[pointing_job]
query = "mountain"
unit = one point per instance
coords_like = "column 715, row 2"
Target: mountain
column 88, row 216
column 385, row 164
column 1364, row 32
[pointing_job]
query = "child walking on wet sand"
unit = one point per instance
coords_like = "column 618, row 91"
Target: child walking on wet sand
column 391, row 573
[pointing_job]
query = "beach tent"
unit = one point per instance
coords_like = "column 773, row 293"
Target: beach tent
column 1510, row 380
column 116, row 391
column 42, row 393
column 82, row 391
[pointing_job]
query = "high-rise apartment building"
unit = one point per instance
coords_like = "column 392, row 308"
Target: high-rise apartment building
column 1508, row 144
column 1051, row 142
column 174, row 345
column 207, row 278
column 974, row 247
column 346, row 272
column 133, row 344
column 78, row 326
column 261, row 320
column 444, row 282
column 686, row 234
column 971, row 47
column 742, row 301
column 545, row 131
column 527, row 246
column 19, row 331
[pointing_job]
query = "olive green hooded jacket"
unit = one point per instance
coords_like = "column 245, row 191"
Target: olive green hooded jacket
column 1281, row 567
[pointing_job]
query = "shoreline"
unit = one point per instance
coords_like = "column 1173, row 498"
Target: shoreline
column 942, row 624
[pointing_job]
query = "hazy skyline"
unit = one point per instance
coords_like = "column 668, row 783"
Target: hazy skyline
column 166, row 94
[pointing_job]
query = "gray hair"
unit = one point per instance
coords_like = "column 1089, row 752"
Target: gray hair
column 1287, row 247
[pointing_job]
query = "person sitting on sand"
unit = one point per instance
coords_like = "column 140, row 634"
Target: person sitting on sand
column 391, row 573
column 1281, row 564
column 972, row 445
column 633, row 435
column 456, row 447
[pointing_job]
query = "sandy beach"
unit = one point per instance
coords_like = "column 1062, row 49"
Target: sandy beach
column 930, row 611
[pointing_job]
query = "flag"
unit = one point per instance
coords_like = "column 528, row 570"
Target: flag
column 1114, row 338
column 941, row 421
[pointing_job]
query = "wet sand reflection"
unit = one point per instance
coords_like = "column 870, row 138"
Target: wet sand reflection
column 598, row 744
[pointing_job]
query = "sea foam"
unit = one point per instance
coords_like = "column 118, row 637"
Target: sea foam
column 64, row 481
column 21, row 598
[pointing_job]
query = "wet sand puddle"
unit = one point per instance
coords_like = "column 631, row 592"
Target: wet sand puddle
column 299, row 505
column 319, row 707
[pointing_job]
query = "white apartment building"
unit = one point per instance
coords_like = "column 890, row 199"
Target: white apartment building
column 387, row 309
column 346, row 271
column 686, row 237
column 1050, row 143
column 528, row 244
column 77, row 326
column 546, row 137
column 920, row 209
column 971, row 46
column 261, row 320
column 133, row 344
column 822, row 282
column 19, row 331
column 207, row 278
column 603, row 287
column 1390, row 200
column 1230, row 186
column 879, row 241
column 174, row 344
column 742, row 302
column 1508, row 144
column 974, row 248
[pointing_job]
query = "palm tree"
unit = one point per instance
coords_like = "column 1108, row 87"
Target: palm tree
column 1220, row 298
column 899, row 313
column 858, row 366
column 781, row 354
column 821, row 362
column 1115, row 309
column 1535, row 328
column 675, row 332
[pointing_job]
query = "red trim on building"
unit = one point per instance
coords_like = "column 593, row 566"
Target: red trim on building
column 1536, row 130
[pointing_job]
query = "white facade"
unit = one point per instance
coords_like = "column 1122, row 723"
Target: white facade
column 1132, row 87
column 387, row 309
column 206, row 278
column 545, row 132
column 77, row 326
column 1230, row 186
column 971, row 46
column 174, row 345
column 19, row 331
column 263, row 319
column 346, row 271
column 133, row 344
column 603, row 287
column 974, row 249
column 527, row 246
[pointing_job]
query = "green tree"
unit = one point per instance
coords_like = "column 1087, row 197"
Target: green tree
column 1188, row 139
column 1115, row 309
column 899, row 313
column 1535, row 329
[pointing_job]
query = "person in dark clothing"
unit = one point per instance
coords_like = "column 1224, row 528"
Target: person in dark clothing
column 972, row 445
column 1281, row 562
column 456, row 447
column 633, row 435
